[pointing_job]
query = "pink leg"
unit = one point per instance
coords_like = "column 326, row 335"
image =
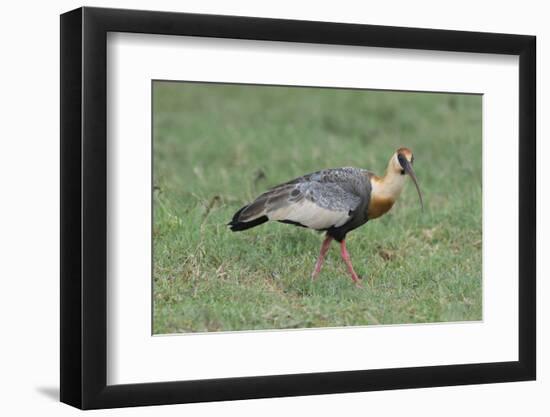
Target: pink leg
column 347, row 260
column 324, row 249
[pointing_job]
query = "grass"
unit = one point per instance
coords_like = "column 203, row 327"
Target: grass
column 216, row 147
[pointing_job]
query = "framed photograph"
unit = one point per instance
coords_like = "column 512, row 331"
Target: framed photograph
column 257, row 208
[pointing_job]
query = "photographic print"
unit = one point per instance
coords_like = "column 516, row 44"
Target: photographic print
column 282, row 207
column 329, row 185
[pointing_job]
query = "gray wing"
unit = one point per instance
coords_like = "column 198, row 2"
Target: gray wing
column 319, row 200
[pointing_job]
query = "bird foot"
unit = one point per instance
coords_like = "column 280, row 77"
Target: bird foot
column 359, row 283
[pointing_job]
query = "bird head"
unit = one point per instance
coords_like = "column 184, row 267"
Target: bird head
column 402, row 163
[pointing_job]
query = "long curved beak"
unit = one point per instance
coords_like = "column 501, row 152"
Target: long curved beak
column 409, row 170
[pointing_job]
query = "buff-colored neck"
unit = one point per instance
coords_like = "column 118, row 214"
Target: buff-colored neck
column 391, row 184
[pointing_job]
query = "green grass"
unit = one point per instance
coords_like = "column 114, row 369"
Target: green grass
column 216, row 147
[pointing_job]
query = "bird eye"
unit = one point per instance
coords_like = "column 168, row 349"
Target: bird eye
column 402, row 160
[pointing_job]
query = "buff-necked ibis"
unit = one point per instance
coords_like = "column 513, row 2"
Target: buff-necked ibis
column 335, row 201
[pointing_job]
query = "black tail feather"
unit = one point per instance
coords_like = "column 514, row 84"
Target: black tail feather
column 237, row 226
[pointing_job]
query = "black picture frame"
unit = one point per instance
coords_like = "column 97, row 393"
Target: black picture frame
column 84, row 207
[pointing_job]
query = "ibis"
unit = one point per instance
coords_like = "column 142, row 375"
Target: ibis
column 335, row 201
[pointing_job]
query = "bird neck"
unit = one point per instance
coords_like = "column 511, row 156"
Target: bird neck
column 389, row 186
